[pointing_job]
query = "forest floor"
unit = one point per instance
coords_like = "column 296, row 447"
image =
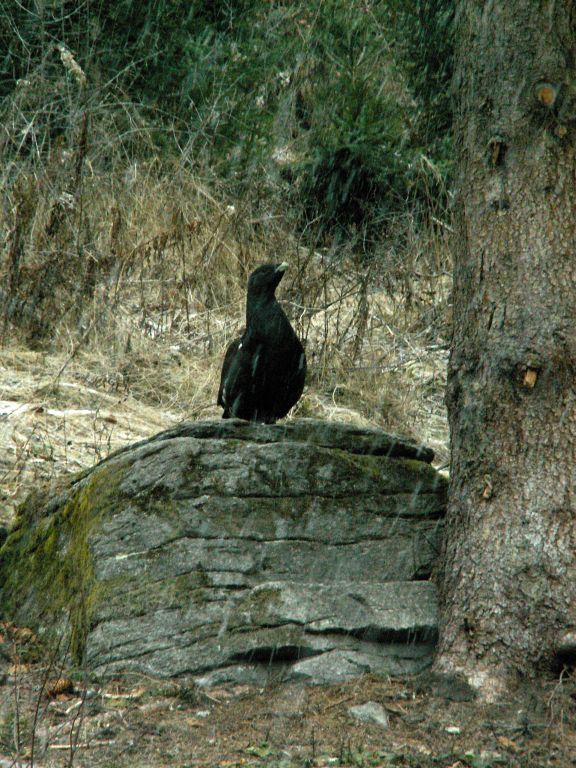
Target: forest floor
column 61, row 413
column 157, row 724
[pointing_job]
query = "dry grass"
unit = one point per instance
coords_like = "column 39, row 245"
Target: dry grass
column 120, row 302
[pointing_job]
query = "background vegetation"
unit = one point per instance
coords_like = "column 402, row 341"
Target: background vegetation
column 152, row 153
column 341, row 107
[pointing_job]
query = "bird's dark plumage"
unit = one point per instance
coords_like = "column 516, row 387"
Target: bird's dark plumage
column 263, row 371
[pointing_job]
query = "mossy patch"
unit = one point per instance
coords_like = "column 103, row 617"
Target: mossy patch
column 259, row 604
column 46, row 564
column 137, row 596
column 369, row 472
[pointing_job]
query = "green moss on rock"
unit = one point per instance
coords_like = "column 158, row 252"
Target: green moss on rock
column 138, row 596
column 46, row 565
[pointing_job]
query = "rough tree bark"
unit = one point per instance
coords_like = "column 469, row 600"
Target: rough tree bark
column 509, row 572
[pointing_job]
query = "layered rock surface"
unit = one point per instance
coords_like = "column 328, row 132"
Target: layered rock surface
column 224, row 550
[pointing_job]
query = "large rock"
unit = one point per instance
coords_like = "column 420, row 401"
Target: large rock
column 224, row 550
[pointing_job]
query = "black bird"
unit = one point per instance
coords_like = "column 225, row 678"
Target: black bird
column 263, row 371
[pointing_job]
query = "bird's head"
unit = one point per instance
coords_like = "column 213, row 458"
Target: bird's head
column 263, row 281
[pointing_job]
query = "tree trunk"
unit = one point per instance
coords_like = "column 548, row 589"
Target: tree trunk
column 508, row 586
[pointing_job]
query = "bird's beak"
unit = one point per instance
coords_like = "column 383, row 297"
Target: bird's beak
column 282, row 267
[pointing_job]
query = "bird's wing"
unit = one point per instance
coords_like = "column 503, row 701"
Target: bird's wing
column 240, row 371
column 227, row 365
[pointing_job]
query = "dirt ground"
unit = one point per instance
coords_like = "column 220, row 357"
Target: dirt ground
column 49, row 431
column 144, row 723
